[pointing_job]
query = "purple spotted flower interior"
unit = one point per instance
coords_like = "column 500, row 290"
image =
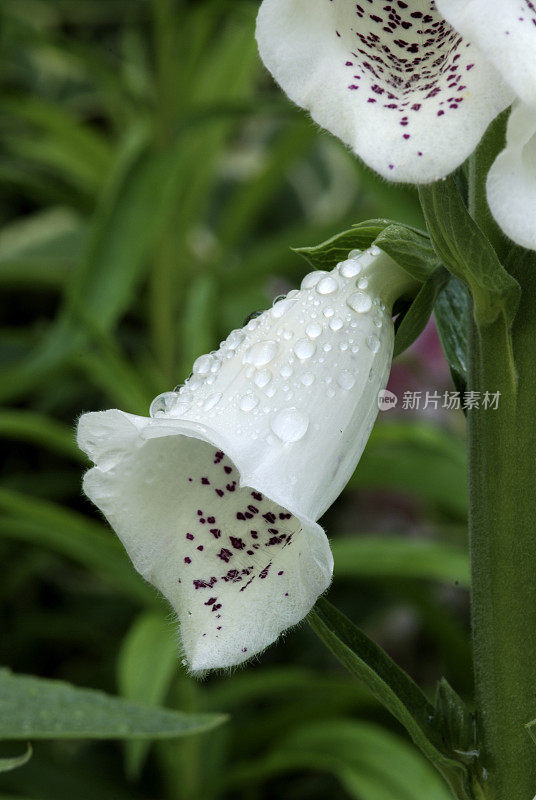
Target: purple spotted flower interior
column 226, row 552
column 404, row 54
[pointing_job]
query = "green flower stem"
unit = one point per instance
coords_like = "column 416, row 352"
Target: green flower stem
column 502, row 482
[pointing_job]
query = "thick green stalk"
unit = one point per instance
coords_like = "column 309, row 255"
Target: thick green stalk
column 502, row 481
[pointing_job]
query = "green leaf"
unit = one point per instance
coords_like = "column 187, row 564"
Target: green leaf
column 7, row 764
column 457, row 723
column 466, row 252
column 399, row 557
column 370, row 762
column 330, row 252
column 391, row 686
column 416, row 317
column 451, row 313
column 146, row 667
column 408, row 246
column 34, row 708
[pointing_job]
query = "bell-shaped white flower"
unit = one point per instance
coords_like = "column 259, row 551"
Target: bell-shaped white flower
column 215, row 496
column 393, row 80
column 505, row 32
column 511, row 181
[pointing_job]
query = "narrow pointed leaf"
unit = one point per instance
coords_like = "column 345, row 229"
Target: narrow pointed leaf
column 34, row 708
column 391, row 686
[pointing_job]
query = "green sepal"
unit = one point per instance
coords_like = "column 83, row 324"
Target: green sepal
column 467, row 253
column 451, row 313
column 408, row 246
column 456, row 722
column 411, row 323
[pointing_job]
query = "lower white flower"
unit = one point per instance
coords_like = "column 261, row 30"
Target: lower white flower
column 511, row 182
column 215, row 496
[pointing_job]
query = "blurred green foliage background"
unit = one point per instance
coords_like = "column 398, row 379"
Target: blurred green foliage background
column 153, row 180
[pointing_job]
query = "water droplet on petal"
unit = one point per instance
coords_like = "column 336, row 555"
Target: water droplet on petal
column 234, row 339
column 312, row 278
column 313, row 330
column 327, row 347
column 262, row 378
column 248, row 402
column 290, row 425
column 350, row 268
column 354, row 253
column 285, row 371
column 374, row 251
column 163, row 404
column 261, row 353
column 304, row 349
column 212, row 401
column 335, row 324
column 345, row 379
column 362, row 283
column 373, row 343
column 281, row 307
column 202, row 365
column 327, row 285
column 328, row 312
column 307, row 379
column 360, row 302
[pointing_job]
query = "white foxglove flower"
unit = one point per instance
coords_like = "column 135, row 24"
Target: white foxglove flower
column 215, row 496
column 511, row 182
column 505, row 31
column 394, row 81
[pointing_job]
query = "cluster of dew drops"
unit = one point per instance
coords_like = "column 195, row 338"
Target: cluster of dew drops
column 288, row 424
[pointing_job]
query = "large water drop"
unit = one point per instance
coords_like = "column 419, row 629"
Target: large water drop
column 327, row 285
column 202, row 365
column 360, row 302
column 304, row 349
column 313, row 330
column 290, row 425
column 312, row 278
column 373, row 343
column 262, row 378
column 350, row 268
column 261, row 353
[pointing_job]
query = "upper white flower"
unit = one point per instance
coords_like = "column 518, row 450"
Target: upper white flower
column 216, row 495
column 412, row 86
column 505, row 31
column 393, row 80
